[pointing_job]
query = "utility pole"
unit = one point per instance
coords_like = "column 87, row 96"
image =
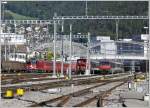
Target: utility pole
column 2, row 18
column 0, row 34
column 15, row 25
column 147, row 45
column 70, row 51
column 86, row 9
column 5, row 42
column 133, row 67
column 117, row 23
column 148, row 52
column 88, row 63
column 54, row 60
column 62, row 50
column 9, row 39
column 3, row 11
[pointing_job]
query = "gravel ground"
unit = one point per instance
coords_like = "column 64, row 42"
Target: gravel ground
column 124, row 92
column 101, row 89
column 113, row 100
column 39, row 96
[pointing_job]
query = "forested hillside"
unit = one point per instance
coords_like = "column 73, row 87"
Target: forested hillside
column 45, row 10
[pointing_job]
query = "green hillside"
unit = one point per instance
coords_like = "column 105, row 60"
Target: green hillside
column 16, row 16
column 46, row 9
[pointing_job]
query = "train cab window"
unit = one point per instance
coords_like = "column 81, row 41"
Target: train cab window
column 33, row 61
column 104, row 63
column 28, row 62
column 20, row 56
column 15, row 56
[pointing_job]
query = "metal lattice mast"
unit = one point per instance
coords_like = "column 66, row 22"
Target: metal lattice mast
column 148, row 52
column 70, row 55
column 0, row 35
column 86, row 8
column 88, row 57
column 117, row 24
column 15, row 25
column 54, row 60
column 62, row 50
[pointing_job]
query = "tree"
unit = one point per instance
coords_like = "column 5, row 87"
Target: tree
column 49, row 55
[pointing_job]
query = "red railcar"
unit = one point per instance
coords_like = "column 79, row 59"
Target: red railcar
column 104, row 67
column 77, row 67
column 107, row 67
column 31, row 65
column 81, row 66
column 47, row 66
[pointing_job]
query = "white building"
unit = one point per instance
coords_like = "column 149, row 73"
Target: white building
column 102, row 38
column 9, row 40
column 12, row 39
column 127, row 40
column 144, row 37
column 108, row 47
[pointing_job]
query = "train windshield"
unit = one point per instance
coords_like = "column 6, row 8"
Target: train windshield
column 32, row 61
column 28, row 62
column 81, row 60
column 104, row 63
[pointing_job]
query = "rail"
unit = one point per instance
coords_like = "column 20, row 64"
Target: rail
column 65, row 98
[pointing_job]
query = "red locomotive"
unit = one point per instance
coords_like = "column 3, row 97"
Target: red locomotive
column 81, row 66
column 47, row 66
column 107, row 67
column 104, row 65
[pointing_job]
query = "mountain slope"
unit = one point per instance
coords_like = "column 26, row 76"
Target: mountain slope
column 45, row 10
column 16, row 16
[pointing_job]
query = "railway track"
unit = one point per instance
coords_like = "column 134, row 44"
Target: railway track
column 41, row 86
column 20, row 79
column 23, row 75
column 40, row 77
column 69, row 99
